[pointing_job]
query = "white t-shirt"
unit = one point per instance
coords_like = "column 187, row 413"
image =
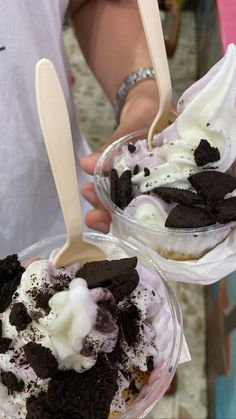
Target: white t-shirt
column 29, row 207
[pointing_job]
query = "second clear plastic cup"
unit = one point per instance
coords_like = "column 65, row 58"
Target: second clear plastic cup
column 172, row 243
column 169, row 324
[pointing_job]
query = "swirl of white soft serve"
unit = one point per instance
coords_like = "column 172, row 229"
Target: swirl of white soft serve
column 75, row 313
column 207, row 112
column 149, row 209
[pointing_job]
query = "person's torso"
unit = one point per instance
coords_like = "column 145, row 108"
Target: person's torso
column 29, row 208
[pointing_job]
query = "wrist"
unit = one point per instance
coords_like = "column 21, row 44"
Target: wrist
column 141, row 105
column 129, row 83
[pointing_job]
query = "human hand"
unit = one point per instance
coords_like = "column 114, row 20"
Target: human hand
column 138, row 112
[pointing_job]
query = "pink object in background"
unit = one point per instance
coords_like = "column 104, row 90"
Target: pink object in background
column 227, row 22
column 72, row 79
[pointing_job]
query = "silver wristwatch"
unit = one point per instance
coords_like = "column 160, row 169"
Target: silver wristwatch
column 130, row 81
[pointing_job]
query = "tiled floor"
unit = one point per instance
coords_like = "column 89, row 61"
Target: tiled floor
column 97, row 121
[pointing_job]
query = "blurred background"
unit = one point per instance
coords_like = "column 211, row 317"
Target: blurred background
column 198, row 32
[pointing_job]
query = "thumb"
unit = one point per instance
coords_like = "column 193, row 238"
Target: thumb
column 88, row 163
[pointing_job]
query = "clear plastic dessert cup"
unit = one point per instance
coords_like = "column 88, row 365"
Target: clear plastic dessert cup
column 169, row 322
column 172, row 243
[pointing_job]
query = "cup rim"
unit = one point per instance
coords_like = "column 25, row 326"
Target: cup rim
column 143, row 405
column 126, row 218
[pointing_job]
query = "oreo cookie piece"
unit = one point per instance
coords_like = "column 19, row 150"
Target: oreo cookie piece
column 4, row 345
column 225, row 211
column 9, row 268
column 131, row 148
column 130, row 318
column 121, row 188
column 114, row 185
column 74, row 395
column 212, row 185
column 41, row 360
column 181, row 196
column 205, row 153
column 10, row 381
column 150, row 363
column 124, row 284
column 182, row 216
column 10, row 276
column 118, row 357
column 136, row 169
column 19, row 317
column 119, row 276
column 125, row 188
column 35, row 407
column 146, row 172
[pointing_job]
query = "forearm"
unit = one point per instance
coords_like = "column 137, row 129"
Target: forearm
column 172, row 40
column 111, row 37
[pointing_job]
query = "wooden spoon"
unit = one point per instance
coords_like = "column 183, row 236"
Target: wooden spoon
column 151, row 19
column 55, row 125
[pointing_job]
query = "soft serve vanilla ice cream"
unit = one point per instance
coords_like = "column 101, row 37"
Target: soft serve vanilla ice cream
column 201, row 139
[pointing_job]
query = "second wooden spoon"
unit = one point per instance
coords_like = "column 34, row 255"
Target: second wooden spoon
column 150, row 16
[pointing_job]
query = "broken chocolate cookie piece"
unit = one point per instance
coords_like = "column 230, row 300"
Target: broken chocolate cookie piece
column 41, row 360
column 225, row 211
column 42, row 298
column 7, row 290
column 119, row 276
column 121, row 188
column 130, row 318
column 212, row 185
column 205, row 153
column 36, row 406
column 4, row 345
column 10, row 276
column 19, row 317
column 136, row 169
column 146, row 172
column 9, row 268
column 131, row 148
column 114, row 185
column 125, row 284
column 181, row 196
column 10, row 381
column 182, row 216
column 74, row 395
column 150, row 363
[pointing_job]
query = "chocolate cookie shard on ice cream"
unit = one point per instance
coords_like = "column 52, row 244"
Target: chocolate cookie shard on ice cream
column 205, row 153
column 119, row 276
column 225, row 211
column 208, row 206
column 41, row 360
column 10, row 276
column 213, row 185
column 188, row 217
column 181, row 196
column 121, row 188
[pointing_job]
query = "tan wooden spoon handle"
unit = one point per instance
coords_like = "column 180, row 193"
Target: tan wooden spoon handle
column 55, row 125
column 151, row 19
